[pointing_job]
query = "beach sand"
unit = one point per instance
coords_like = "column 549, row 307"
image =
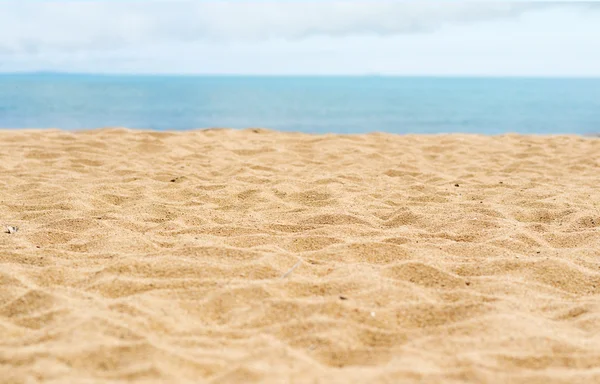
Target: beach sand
column 251, row 255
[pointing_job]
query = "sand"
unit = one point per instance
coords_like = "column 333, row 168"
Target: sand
column 228, row 256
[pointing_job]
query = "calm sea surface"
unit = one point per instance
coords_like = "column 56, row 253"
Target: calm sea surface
column 308, row 104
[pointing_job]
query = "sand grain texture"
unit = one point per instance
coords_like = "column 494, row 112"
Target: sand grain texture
column 242, row 256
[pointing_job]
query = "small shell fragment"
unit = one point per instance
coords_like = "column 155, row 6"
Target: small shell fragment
column 11, row 229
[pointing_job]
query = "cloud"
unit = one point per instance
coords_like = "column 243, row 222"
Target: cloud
column 41, row 27
column 308, row 37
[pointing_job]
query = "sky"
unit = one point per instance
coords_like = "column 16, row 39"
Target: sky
column 445, row 38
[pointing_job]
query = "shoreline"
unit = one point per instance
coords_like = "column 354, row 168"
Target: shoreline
column 5, row 130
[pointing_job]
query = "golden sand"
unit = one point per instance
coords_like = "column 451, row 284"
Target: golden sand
column 240, row 256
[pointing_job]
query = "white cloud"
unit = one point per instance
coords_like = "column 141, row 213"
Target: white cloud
column 300, row 37
column 31, row 27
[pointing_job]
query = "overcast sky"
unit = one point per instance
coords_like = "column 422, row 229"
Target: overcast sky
column 302, row 37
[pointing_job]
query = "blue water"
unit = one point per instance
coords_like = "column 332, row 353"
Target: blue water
column 307, row 104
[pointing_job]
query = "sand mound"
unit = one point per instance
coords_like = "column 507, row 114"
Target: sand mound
column 240, row 256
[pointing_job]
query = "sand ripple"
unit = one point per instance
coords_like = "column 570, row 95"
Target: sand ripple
column 147, row 256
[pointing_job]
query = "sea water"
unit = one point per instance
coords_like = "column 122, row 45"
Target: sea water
column 301, row 103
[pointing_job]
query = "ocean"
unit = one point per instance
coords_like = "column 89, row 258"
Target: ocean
column 306, row 104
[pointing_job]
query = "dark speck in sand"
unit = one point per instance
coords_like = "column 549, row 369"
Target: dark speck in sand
column 456, row 185
column 343, row 298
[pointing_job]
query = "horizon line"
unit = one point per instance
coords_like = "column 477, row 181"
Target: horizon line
column 383, row 75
